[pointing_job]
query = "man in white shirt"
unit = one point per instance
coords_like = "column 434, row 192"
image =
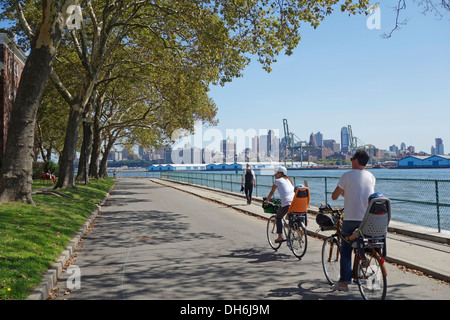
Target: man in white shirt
column 355, row 186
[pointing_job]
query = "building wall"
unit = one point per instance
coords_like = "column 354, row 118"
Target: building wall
column 12, row 61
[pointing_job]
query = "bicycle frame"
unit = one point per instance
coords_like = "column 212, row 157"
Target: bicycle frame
column 372, row 254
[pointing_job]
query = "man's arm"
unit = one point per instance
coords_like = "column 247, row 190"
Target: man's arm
column 337, row 192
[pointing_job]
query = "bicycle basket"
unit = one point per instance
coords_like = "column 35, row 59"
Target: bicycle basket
column 325, row 221
column 269, row 207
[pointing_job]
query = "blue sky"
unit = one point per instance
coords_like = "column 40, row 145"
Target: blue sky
column 389, row 90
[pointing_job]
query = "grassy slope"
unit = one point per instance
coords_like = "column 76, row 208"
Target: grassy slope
column 33, row 237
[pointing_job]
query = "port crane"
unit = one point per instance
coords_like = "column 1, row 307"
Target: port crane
column 293, row 143
column 356, row 143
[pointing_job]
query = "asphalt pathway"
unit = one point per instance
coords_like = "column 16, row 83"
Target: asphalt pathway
column 152, row 242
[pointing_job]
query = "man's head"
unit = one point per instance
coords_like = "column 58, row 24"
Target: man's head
column 361, row 157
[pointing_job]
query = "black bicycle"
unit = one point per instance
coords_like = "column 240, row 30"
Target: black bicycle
column 293, row 231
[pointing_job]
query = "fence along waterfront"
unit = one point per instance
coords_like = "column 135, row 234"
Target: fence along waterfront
column 423, row 202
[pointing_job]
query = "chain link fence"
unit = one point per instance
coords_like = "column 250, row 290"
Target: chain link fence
column 420, row 202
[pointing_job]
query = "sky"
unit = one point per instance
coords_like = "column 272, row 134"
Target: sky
column 343, row 73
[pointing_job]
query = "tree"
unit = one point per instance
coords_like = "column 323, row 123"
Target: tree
column 16, row 175
column 216, row 36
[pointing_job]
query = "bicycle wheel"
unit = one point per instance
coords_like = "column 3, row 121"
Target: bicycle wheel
column 371, row 279
column 272, row 232
column 298, row 241
column 331, row 254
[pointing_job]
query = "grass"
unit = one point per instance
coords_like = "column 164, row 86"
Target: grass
column 33, row 237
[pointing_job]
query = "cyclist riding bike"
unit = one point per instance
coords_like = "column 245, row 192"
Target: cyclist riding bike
column 285, row 188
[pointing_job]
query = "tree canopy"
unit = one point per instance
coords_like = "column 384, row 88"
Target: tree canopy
column 141, row 69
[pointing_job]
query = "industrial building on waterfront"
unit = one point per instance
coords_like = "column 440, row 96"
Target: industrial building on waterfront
column 434, row 161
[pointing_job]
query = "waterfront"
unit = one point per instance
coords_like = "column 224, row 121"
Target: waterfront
column 418, row 196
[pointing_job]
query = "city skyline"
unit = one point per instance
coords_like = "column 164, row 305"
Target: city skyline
column 211, row 138
column 342, row 73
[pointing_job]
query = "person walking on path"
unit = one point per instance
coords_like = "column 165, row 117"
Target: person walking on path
column 249, row 179
column 355, row 186
column 286, row 190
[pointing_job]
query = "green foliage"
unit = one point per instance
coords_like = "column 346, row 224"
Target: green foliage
column 152, row 62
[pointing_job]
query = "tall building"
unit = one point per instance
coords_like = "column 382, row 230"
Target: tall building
column 319, row 139
column 394, row 149
column 271, row 143
column 228, row 149
column 402, row 146
column 331, row 144
column 439, row 146
column 255, row 146
column 312, row 140
column 345, row 140
column 12, row 61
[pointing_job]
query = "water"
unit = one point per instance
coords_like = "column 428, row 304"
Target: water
column 413, row 192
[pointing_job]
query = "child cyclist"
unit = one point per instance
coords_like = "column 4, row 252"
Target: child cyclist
column 286, row 190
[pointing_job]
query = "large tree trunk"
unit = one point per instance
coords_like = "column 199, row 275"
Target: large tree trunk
column 16, row 179
column 83, row 162
column 16, row 176
column 96, row 147
column 103, row 171
column 78, row 106
column 67, row 160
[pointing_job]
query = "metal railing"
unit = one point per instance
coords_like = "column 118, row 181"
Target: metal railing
column 422, row 202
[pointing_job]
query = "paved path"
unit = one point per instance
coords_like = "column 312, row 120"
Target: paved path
column 155, row 242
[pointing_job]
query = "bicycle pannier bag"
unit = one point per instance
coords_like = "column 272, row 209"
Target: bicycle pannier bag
column 325, row 221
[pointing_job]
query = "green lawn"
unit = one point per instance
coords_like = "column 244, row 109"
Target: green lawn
column 33, row 237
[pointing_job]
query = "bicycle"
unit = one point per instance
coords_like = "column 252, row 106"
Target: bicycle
column 369, row 271
column 293, row 231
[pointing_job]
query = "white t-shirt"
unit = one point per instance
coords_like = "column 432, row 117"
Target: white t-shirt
column 358, row 185
column 286, row 191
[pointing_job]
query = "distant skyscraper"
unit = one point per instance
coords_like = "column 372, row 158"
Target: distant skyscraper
column 345, row 140
column 228, row 148
column 319, row 139
column 271, row 144
column 312, row 140
column 439, row 146
column 402, row 146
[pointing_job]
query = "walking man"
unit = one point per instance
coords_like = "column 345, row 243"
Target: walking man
column 249, row 179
